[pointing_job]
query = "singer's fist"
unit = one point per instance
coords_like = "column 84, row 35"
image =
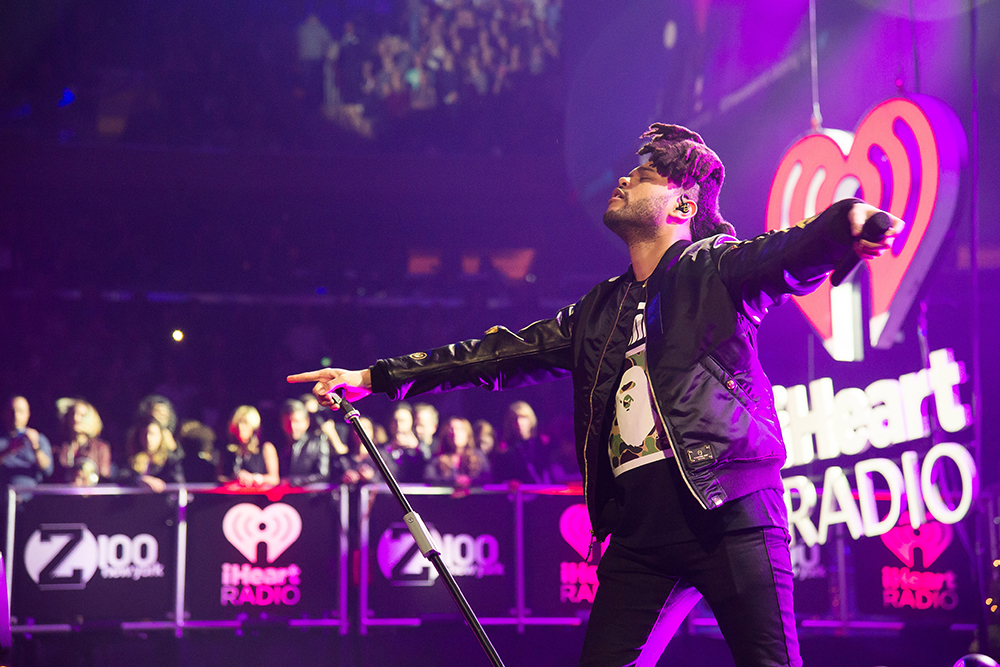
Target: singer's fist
column 858, row 214
column 355, row 384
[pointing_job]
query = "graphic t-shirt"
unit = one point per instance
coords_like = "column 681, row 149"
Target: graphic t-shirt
column 655, row 506
column 637, row 436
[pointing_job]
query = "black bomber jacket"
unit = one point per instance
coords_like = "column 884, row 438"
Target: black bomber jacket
column 704, row 303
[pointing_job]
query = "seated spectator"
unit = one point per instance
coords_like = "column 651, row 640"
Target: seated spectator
column 246, row 459
column 404, row 455
column 305, row 456
column 81, row 427
column 151, row 460
column 521, row 454
column 460, row 463
column 425, row 426
column 25, row 454
column 162, row 409
column 321, row 419
column 353, row 466
column 201, row 460
column 485, row 436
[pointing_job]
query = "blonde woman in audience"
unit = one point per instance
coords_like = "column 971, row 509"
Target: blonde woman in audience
column 82, row 427
column 246, row 459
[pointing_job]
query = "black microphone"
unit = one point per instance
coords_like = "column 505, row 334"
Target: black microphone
column 874, row 230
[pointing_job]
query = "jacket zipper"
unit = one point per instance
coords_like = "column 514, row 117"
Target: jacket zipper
column 666, row 430
column 590, row 407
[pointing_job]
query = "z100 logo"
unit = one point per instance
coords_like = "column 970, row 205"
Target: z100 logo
column 247, row 526
column 402, row 564
column 65, row 556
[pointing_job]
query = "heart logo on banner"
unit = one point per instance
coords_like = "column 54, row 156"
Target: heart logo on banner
column 931, row 538
column 574, row 526
column 904, row 158
column 277, row 526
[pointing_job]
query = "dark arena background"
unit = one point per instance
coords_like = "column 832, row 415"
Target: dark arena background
column 198, row 199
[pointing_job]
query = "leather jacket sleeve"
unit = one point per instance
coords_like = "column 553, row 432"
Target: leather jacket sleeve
column 501, row 359
column 763, row 271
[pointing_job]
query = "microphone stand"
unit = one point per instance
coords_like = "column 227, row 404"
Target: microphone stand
column 419, row 531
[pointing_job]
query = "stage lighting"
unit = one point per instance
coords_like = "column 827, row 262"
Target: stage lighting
column 177, row 335
column 976, row 660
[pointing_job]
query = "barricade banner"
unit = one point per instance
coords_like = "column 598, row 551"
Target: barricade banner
column 815, row 571
column 560, row 564
column 94, row 559
column 476, row 538
column 248, row 555
column 918, row 575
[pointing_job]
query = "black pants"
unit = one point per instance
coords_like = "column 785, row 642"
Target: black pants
column 644, row 595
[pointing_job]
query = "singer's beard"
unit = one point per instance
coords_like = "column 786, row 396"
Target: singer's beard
column 635, row 222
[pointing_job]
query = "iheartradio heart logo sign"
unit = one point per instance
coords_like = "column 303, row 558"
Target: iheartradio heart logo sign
column 277, row 526
column 905, row 158
column 931, row 538
column 574, row 526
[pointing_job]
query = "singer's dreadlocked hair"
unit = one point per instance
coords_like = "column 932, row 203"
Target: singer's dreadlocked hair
column 682, row 156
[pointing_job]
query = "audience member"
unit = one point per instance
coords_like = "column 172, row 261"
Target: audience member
column 162, row 409
column 305, row 456
column 81, row 443
column 425, row 426
column 152, row 461
column 25, row 454
column 404, row 455
column 246, row 459
column 159, row 407
column 521, row 455
column 460, row 463
column 201, row 460
column 321, row 420
column 485, row 436
column 354, row 466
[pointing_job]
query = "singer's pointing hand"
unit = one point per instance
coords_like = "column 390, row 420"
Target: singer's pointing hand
column 355, row 384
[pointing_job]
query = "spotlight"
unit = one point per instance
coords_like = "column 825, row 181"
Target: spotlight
column 177, row 335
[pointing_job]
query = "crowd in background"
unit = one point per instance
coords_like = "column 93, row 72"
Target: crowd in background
column 306, row 446
column 479, row 62
column 422, row 74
